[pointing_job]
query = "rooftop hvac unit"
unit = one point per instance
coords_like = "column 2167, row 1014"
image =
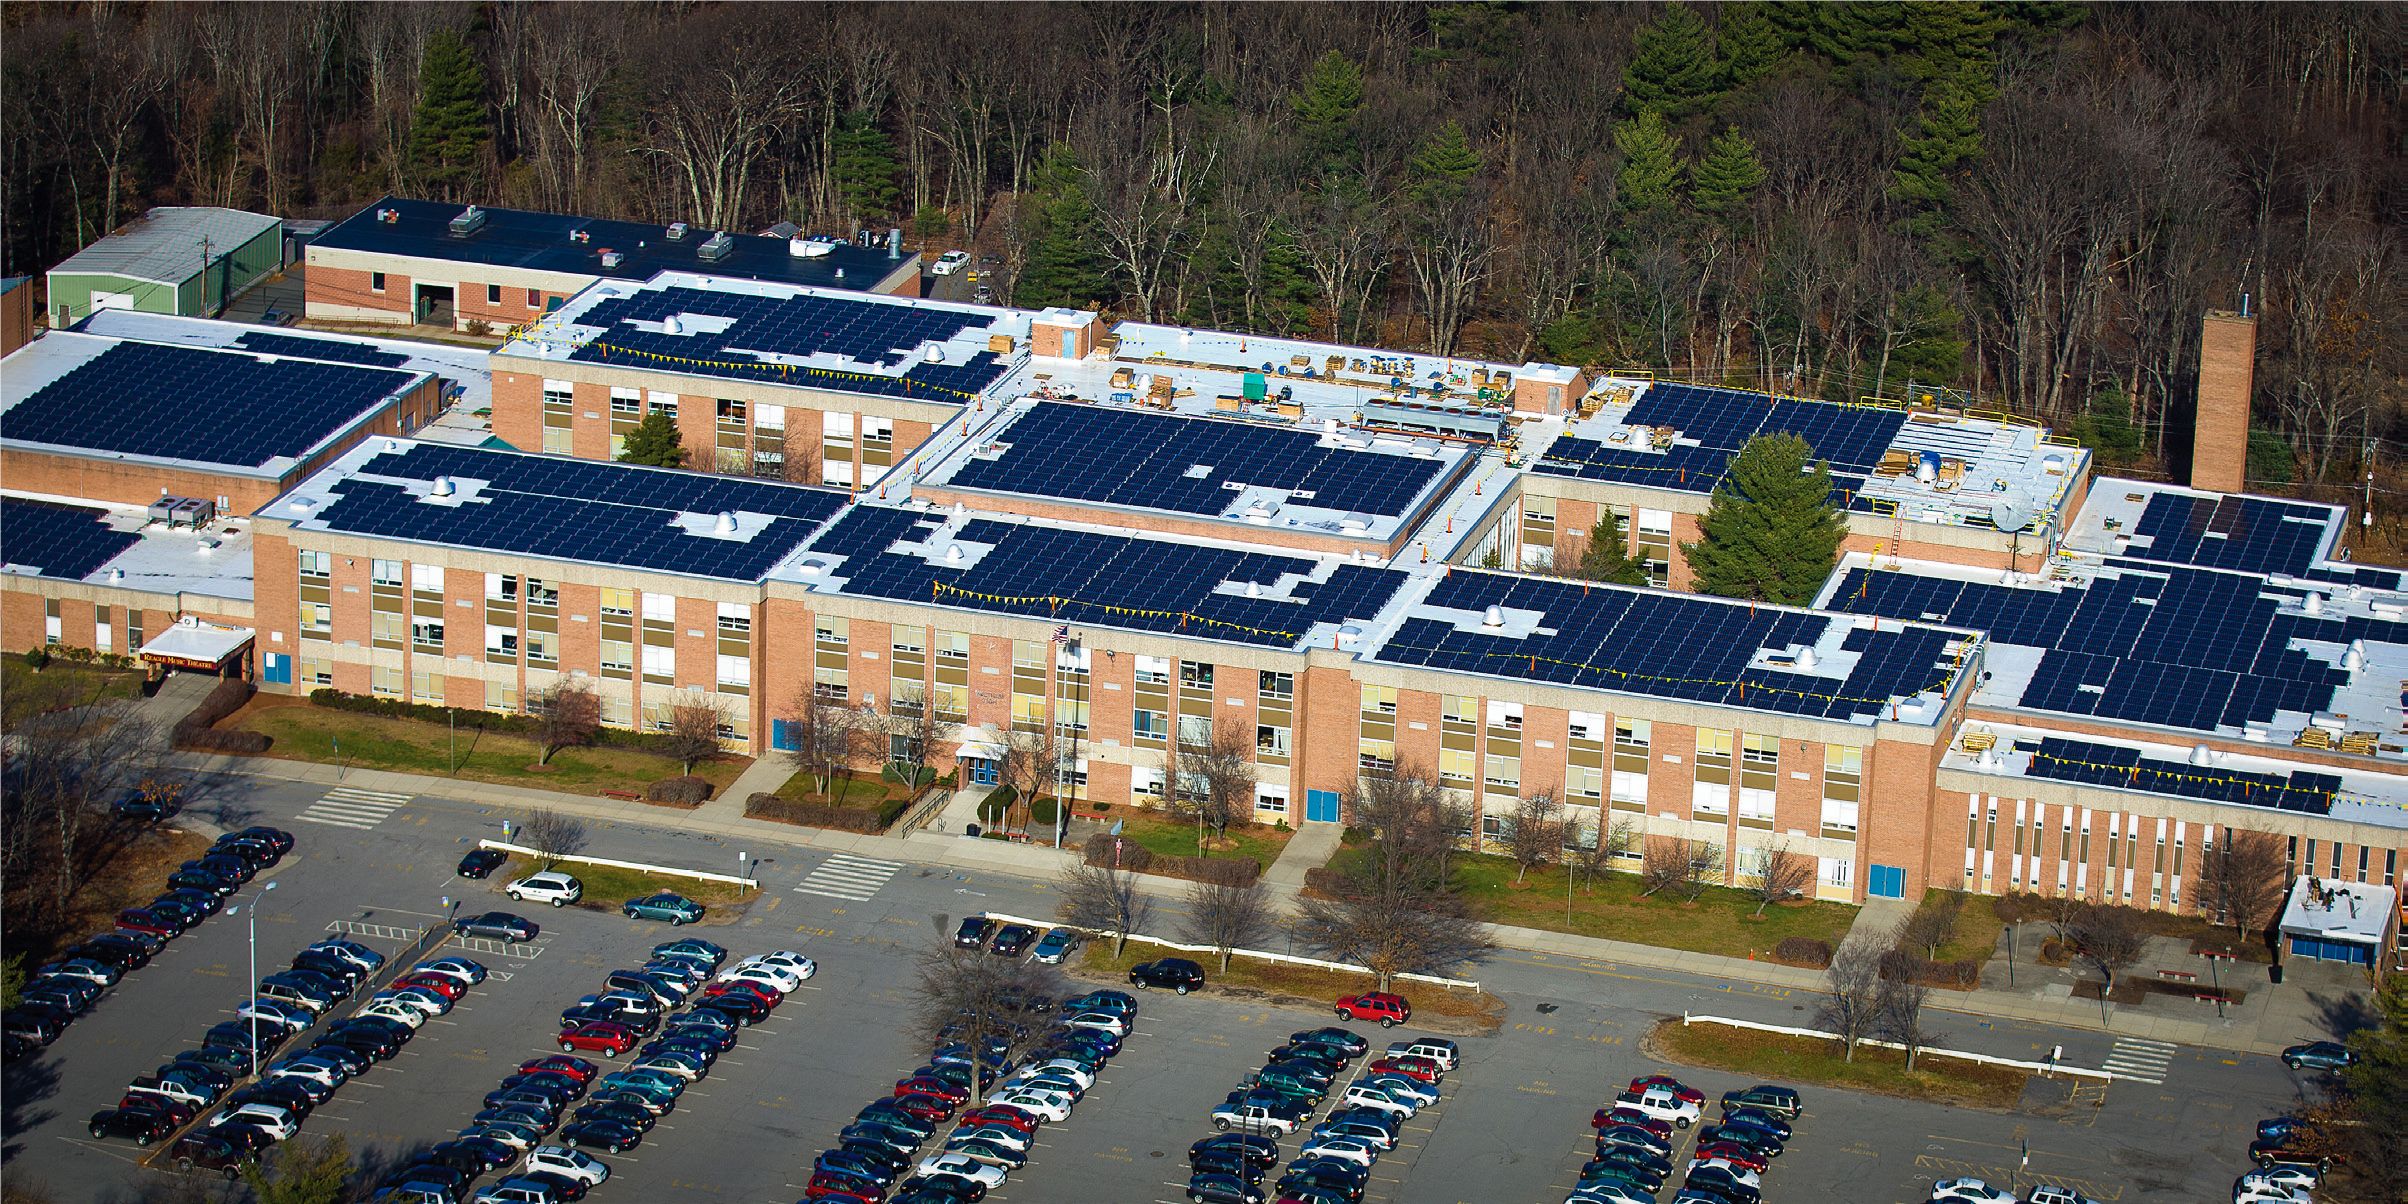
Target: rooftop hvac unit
column 717, row 247
column 468, row 221
column 894, row 243
column 807, row 248
column 677, row 231
column 388, row 216
column 580, row 236
column 612, row 259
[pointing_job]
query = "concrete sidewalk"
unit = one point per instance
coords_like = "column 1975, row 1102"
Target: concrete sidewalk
column 2277, row 1015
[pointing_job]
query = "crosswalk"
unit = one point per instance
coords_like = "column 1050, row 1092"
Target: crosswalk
column 2139, row 1060
column 847, row 877
column 346, row 807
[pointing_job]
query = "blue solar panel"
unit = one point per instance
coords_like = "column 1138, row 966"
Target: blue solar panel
column 270, row 343
column 865, row 332
column 580, row 510
column 1851, row 439
column 2247, row 534
column 1131, row 458
column 66, row 542
column 1667, row 645
column 201, row 404
column 1103, row 580
column 2065, row 760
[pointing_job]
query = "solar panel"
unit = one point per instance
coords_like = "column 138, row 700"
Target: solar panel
column 2065, row 760
column 871, row 334
column 2247, row 534
column 65, row 542
column 199, row 404
column 1851, row 439
column 270, row 343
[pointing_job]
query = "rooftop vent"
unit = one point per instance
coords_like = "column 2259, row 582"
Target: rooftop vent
column 671, row 325
column 954, row 554
column 717, row 247
column 612, row 259
column 116, row 576
column 677, row 231
column 807, row 248
column 468, row 221
column 1494, row 616
column 580, row 236
column 1349, row 635
column 442, row 487
column 2201, row 756
column 2312, row 604
column 1806, row 658
column 2355, row 658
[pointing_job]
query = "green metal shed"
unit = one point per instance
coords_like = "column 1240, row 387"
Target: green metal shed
column 187, row 260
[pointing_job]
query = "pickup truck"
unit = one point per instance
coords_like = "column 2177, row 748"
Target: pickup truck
column 1259, row 1118
column 1657, row 1103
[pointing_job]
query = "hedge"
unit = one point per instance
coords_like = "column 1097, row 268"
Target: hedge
column 1234, row 871
column 1325, row 881
column 684, row 791
column 814, row 815
column 530, row 726
column 196, row 732
column 1963, row 976
column 1803, row 951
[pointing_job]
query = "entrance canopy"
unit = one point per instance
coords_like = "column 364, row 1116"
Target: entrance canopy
column 980, row 744
column 193, row 644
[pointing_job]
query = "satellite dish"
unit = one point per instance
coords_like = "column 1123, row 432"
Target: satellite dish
column 2011, row 512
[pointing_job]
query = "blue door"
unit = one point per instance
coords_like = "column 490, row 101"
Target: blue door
column 785, row 735
column 1321, row 806
column 1888, row 882
column 276, row 668
column 983, row 772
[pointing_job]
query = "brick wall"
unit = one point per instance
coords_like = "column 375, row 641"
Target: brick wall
column 1328, row 731
column 345, row 295
column 2227, row 376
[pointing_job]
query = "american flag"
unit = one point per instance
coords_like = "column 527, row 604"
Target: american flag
column 1061, row 634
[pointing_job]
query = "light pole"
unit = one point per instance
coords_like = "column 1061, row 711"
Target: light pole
column 251, row 920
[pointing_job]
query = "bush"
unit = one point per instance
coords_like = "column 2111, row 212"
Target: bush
column 1042, row 812
column 529, row 726
column 37, row 658
column 1325, row 881
column 815, row 815
column 890, row 811
column 1236, row 871
column 996, row 805
column 1962, row 976
column 683, row 791
column 195, row 731
column 1803, row 951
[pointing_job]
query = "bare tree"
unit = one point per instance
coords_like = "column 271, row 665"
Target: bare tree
column 1227, row 916
column 1536, row 835
column 551, row 834
column 1705, row 867
column 995, row 1006
column 1665, row 863
column 1784, row 876
column 1397, row 911
column 1212, row 782
column 1898, row 1009
column 2242, row 879
column 1852, row 1008
column 826, row 733
column 1103, row 899
column 713, row 113
column 70, row 756
column 1595, row 859
column 912, row 729
column 1931, row 924
column 1032, row 764
column 693, row 733
column 569, row 716
column 2111, row 939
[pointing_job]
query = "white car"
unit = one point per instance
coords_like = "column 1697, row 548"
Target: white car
column 1970, row 1191
column 284, row 1017
column 1358, row 1152
column 1656, row 1103
column 2050, row 1193
column 272, row 1119
column 182, row 1093
column 668, row 1066
column 509, row 1136
column 787, row 960
column 1004, row 1136
column 1422, row 1094
column 567, row 1163
column 2300, row 1177
column 2271, row 1194
column 1100, row 1021
column 325, row 1074
column 1607, row 1193
column 394, row 1010
column 357, row 954
column 1058, row 1067
column 1736, row 1171
column 462, row 969
column 551, row 887
column 768, row 976
column 1365, row 1095
column 426, row 1003
column 983, row 1174
column 949, row 263
column 1052, row 1107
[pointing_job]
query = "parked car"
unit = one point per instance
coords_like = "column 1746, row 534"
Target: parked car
column 227, row 1150
column 1056, row 945
column 2319, row 1055
column 1387, row 1008
column 481, row 863
column 139, row 1124
column 667, row 906
column 551, row 886
column 949, row 263
column 1012, row 940
column 608, row 1038
column 974, row 931
column 1173, row 973
column 1969, row 1191
column 500, row 925
column 1780, row 1101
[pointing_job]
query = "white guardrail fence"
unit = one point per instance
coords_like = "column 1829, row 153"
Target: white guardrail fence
column 524, row 851
column 1926, row 1050
column 1452, row 984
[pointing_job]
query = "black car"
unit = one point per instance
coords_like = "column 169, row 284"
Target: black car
column 608, row 1135
column 239, row 1035
column 498, row 924
column 72, row 995
column 1325, row 1176
column 353, row 1062
column 1255, row 1148
column 144, row 807
column 933, row 1189
column 2269, row 1154
column 890, row 1136
column 224, row 865
column 1757, row 1141
column 331, row 968
column 111, row 949
column 974, row 932
column 226, row 1150
column 614, row 1112
column 205, row 902
column 1012, row 940
column 280, row 1092
column 482, row 862
column 259, row 854
column 450, row 1178
column 1211, row 1187
column 1225, row 1162
column 1719, row 1180
column 374, row 1044
column 275, row 838
column 310, row 983
column 1171, row 973
column 473, row 1155
column 546, row 1082
column 142, row 1126
column 745, row 1009
column 562, row 1187
column 216, row 884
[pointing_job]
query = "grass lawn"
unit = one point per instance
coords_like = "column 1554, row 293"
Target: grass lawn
column 607, row 886
column 1167, row 837
column 865, row 789
column 309, row 733
column 1311, row 984
column 1611, row 908
column 66, row 683
column 1808, row 1062
column 1976, row 933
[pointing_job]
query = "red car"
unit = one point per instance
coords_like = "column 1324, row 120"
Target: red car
column 143, row 919
column 929, row 1084
column 766, row 994
column 449, row 988
column 1607, row 1118
column 561, row 1064
column 824, row 1186
column 1005, row 1115
column 609, row 1039
column 1687, row 1093
column 924, row 1106
column 1733, row 1153
column 1390, row 1010
column 1416, row 1068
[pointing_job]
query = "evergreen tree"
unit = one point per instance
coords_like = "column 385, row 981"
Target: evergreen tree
column 654, row 441
column 1772, row 532
column 1674, row 70
column 1444, row 166
column 1063, row 267
column 865, row 166
column 1857, row 38
column 1950, row 38
column 1947, row 134
column 1751, row 42
column 1651, row 164
column 1606, row 557
column 1722, row 182
column 1326, row 108
column 449, row 130
column 301, row 1173
column 1934, row 347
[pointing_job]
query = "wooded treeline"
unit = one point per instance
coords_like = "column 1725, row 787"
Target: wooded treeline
column 2027, row 202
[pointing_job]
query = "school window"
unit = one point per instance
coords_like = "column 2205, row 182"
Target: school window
column 376, row 282
column 1270, row 742
column 1843, row 787
column 384, row 572
column 1196, row 675
column 1149, row 725
column 1379, row 700
column 385, row 680
column 427, row 633
column 1154, row 670
column 1277, row 686
column 534, row 298
column 317, row 618
column 493, row 294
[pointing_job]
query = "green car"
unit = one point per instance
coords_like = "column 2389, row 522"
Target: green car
column 641, row 1080
column 675, row 908
column 1273, row 1082
column 691, row 947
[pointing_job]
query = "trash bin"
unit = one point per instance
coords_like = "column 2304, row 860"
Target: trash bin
column 2274, row 973
column 970, row 830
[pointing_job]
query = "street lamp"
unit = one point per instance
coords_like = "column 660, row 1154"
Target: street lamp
column 251, row 919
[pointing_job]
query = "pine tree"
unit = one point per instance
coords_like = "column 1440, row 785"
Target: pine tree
column 1950, row 38
column 1772, row 532
column 1721, row 183
column 865, row 166
column 1947, row 134
column 1674, row 70
column 1856, row 37
column 655, row 441
column 1751, row 42
column 1606, row 557
column 1326, row 108
column 1444, row 166
column 1651, row 164
column 1934, row 347
column 449, row 130
column 1063, row 265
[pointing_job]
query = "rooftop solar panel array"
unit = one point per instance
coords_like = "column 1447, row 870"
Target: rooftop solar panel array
column 65, row 542
column 198, row 404
column 2251, row 535
column 864, row 332
column 268, row 342
column 1131, row 458
column 2176, row 647
column 1721, row 421
column 578, row 510
column 1668, row 646
column 2128, row 769
column 1106, row 580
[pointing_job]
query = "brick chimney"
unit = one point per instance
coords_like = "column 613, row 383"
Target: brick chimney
column 2227, row 375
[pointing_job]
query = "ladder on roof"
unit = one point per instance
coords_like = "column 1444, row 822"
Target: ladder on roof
column 1897, row 535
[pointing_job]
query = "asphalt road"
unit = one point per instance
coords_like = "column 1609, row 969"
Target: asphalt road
column 1512, row 1123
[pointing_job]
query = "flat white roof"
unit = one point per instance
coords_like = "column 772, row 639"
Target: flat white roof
column 2333, row 910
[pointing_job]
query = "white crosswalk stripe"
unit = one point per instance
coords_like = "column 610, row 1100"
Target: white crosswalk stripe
column 846, row 877
column 2140, row 1060
column 347, row 807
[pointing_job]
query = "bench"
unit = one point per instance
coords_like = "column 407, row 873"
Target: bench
column 629, row 795
column 2178, row 975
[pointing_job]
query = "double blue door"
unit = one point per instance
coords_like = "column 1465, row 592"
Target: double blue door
column 1888, row 882
column 1321, row 806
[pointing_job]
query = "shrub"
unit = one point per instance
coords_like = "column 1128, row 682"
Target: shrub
column 1803, row 951
column 1324, row 881
column 1900, row 964
column 890, row 811
column 1235, row 871
column 815, row 815
column 194, row 732
column 683, row 791
column 37, row 658
column 1043, row 811
column 489, row 721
